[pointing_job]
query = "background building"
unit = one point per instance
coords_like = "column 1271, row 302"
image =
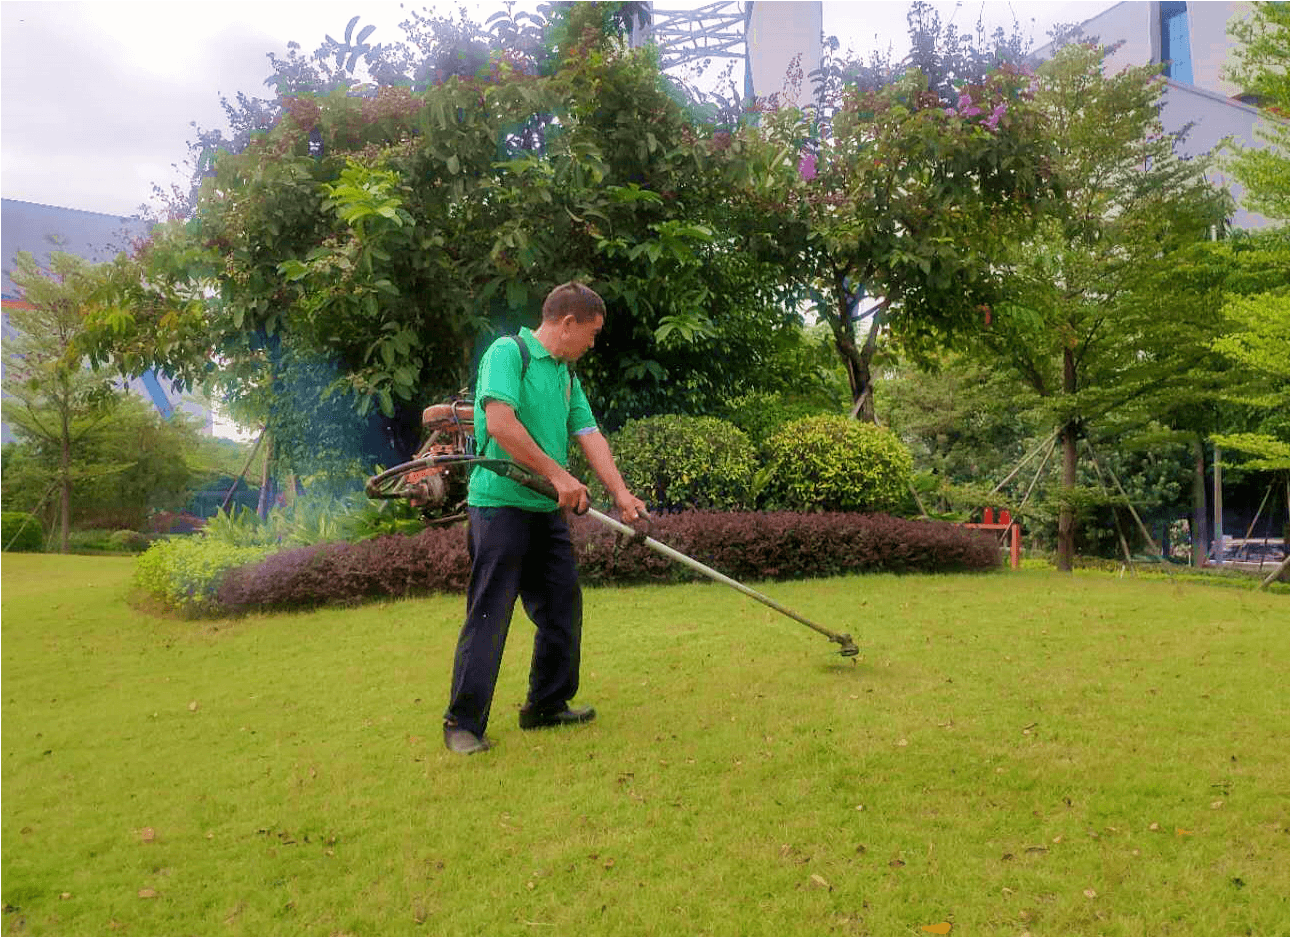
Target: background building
column 1192, row 41
column 42, row 229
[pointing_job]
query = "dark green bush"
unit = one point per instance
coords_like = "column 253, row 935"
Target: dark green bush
column 21, row 532
column 676, row 462
column 832, row 463
column 760, row 414
column 129, row 541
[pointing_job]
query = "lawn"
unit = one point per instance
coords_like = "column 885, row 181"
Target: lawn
column 1013, row 753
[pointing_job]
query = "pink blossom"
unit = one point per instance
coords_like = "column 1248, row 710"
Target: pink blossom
column 806, row 167
column 950, row 112
column 992, row 122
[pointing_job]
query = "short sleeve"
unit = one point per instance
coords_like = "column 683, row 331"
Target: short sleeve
column 499, row 374
column 581, row 419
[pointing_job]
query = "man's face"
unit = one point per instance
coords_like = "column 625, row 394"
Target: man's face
column 579, row 337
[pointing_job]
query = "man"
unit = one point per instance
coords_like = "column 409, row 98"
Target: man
column 528, row 402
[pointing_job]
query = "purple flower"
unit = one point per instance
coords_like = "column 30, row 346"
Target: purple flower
column 950, row 112
column 965, row 101
column 806, row 167
column 992, row 122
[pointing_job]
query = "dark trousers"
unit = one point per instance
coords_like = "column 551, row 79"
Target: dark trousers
column 524, row 554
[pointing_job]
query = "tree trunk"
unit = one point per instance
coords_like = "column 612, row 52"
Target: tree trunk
column 1066, row 517
column 266, row 496
column 856, row 359
column 1070, row 436
column 1199, row 528
column 65, row 485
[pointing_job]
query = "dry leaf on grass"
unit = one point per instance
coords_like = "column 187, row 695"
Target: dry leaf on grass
column 819, row 881
column 147, row 893
column 944, row 927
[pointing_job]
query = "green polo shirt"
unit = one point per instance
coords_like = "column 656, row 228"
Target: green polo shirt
column 550, row 404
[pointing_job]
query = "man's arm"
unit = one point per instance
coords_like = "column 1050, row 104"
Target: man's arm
column 596, row 448
column 505, row 427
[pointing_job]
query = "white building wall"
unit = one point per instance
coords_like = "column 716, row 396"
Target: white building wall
column 777, row 34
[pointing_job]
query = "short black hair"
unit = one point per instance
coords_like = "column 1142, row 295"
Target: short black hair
column 573, row 299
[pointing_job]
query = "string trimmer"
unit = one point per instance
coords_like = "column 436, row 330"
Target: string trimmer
column 518, row 473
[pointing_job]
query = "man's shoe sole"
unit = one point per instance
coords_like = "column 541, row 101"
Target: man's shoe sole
column 464, row 742
column 569, row 717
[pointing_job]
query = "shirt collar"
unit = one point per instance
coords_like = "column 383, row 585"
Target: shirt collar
column 535, row 346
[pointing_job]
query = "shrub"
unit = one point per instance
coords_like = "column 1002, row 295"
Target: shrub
column 673, row 462
column 783, row 545
column 743, row 545
column 129, row 541
column 185, row 572
column 832, row 463
column 760, row 414
column 434, row 560
column 108, row 541
column 21, row 532
column 172, row 522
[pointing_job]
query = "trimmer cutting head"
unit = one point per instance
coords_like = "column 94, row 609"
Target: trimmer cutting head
column 849, row 648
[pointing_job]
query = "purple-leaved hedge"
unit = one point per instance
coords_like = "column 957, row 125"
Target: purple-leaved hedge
column 746, row 546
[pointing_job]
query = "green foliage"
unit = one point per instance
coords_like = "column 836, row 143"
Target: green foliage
column 1259, row 65
column 51, row 399
column 185, row 572
column 674, row 462
column 240, row 527
column 1085, row 326
column 313, row 519
column 832, row 463
column 135, row 462
column 21, row 532
column 760, row 414
column 1259, row 344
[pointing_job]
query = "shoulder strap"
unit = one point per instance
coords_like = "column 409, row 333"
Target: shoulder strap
column 524, row 356
column 524, row 369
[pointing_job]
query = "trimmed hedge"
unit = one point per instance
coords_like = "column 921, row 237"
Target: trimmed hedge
column 434, row 560
column 185, row 572
column 21, row 532
column 745, row 546
column 832, row 463
column 676, row 462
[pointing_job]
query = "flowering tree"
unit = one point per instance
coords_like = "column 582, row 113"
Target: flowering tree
column 367, row 240
column 901, row 197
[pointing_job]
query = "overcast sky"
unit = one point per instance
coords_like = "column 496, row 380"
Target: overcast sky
column 99, row 98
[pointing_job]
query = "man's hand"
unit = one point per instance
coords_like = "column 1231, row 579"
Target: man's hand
column 573, row 493
column 630, row 507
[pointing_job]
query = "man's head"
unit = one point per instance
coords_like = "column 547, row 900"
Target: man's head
column 571, row 316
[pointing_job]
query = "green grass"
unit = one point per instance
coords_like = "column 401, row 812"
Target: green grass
column 1014, row 753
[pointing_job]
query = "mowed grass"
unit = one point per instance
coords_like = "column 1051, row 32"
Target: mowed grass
column 1013, row 753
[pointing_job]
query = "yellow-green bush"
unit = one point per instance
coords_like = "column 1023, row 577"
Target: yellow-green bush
column 185, row 572
column 832, row 463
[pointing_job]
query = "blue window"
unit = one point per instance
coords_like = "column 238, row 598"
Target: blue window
column 1175, row 41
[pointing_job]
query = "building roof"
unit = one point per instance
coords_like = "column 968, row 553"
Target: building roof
column 42, row 229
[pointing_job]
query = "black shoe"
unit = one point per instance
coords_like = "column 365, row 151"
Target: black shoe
column 562, row 717
column 463, row 741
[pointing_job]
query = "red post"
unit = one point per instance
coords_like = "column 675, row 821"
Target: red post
column 1016, row 546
